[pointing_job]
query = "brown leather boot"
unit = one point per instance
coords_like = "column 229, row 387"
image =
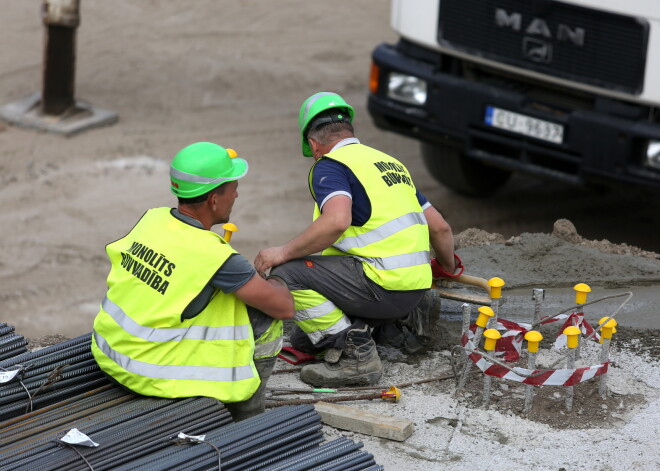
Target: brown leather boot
column 359, row 364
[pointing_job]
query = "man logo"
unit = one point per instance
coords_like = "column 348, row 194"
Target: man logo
column 539, row 27
column 537, row 50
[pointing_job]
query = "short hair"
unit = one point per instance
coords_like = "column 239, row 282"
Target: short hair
column 220, row 189
column 329, row 132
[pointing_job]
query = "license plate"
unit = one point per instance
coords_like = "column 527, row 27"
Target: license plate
column 525, row 125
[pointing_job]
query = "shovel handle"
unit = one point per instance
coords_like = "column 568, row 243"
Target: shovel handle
column 472, row 281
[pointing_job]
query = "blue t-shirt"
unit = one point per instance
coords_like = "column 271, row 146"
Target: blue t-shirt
column 331, row 178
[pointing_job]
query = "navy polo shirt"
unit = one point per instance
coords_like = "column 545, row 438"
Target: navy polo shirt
column 331, row 178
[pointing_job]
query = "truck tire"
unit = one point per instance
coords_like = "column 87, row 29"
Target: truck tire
column 460, row 173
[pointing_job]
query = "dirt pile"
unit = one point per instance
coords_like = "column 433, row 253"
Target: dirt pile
column 561, row 258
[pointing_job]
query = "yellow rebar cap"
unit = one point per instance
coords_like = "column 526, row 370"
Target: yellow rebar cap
column 608, row 328
column 492, row 335
column 533, row 338
column 496, row 284
column 612, row 323
column 485, row 313
column 581, row 290
column 572, row 336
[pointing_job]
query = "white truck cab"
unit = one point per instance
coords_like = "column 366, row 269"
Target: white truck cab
column 564, row 90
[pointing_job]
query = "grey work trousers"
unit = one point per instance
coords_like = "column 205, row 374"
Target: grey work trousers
column 341, row 279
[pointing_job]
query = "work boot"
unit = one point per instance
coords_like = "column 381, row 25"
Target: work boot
column 421, row 321
column 257, row 403
column 359, row 364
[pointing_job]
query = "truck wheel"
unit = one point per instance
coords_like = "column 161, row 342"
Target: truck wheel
column 460, row 173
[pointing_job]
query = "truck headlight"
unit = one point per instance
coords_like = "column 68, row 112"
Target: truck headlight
column 406, row 88
column 653, row 155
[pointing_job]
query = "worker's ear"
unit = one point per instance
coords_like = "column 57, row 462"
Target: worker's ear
column 315, row 146
column 212, row 201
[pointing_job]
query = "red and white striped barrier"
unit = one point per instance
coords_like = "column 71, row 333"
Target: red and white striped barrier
column 508, row 347
column 509, row 351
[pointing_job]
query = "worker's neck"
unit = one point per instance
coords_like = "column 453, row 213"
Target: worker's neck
column 198, row 213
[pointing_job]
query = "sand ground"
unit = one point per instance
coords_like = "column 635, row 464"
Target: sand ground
column 235, row 73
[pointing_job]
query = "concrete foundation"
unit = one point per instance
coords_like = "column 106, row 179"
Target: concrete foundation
column 83, row 116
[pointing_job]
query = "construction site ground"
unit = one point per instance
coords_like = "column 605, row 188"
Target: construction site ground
column 235, row 73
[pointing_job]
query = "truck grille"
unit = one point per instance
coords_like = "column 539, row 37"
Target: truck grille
column 567, row 41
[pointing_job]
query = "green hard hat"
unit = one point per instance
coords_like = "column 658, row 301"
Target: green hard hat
column 317, row 104
column 203, row 166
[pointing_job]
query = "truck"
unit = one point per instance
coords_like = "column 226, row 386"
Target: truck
column 566, row 90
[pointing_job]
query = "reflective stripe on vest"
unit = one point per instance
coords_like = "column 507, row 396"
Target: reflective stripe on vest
column 195, row 373
column 194, row 332
column 399, row 261
column 382, row 232
column 139, row 337
column 394, row 243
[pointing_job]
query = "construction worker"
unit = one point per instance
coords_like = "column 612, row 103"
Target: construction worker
column 373, row 228
column 185, row 314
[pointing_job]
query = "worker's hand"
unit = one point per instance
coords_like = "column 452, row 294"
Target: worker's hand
column 439, row 272
column 269, row 258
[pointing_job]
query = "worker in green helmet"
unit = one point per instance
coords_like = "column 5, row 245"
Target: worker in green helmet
column 374, row 230
column 185, row 314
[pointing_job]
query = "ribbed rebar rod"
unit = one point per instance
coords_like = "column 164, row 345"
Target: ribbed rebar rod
column 12, row 410
column 284, row 452
column 68, row 364
column 5, row 329
column 33, row 427
column 144, row 449
column 36, row 392
column 195, row 457
column 162, row 416
column 354, row 460
column 13, row 350
column 234, row 443
column 86, row 338
column 75, row 353
column 9, row 339
column 604, row 358
column 34, row 382
column 325, row 452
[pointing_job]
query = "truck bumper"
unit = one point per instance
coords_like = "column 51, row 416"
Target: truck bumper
column 605, row 141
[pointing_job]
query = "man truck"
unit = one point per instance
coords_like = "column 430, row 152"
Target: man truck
column 562, row 90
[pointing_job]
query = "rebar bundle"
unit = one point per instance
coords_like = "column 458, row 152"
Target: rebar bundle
column 11, row 344
column 140, row 432
column 60, row 388
column 48, row 376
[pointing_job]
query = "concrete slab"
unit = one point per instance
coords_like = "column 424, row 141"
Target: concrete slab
column 84, row 116
column 361, row 421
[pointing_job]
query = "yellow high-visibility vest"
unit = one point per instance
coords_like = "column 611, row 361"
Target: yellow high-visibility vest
column 394, row 243
column 139, row 337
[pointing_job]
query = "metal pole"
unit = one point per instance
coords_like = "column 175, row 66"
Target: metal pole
column 529, row 389
column 468, row 363
column 570, row 364
column 604, row 357
column 467, row 313
column 487, row 384
column 537, row 295
column 495, row 305
column 61, row 18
